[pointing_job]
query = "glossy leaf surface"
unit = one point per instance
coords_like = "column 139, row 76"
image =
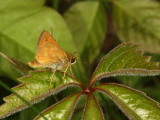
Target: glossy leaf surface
column 92, row 110
column 62, row 110
column 125, row 60
column 135, row 104
column 36, row 87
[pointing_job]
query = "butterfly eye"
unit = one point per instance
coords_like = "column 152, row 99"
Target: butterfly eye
column 73, row 60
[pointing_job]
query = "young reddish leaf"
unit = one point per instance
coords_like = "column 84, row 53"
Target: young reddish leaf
column 92, row 110
column 19, row 65
column 125, row 60
column 62, row 110
column 135, row 104
column 36, row 87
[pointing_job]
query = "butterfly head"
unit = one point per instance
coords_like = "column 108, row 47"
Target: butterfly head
column 71, row 58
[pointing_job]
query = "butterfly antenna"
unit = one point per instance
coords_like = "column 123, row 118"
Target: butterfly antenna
column 82, row 61
column 51, row 34
column 87, row 63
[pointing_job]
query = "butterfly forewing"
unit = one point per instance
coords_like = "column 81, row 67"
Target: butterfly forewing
column 49, row 54
column 49, row 51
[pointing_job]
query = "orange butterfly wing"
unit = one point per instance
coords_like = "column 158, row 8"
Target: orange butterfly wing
column 48, row 50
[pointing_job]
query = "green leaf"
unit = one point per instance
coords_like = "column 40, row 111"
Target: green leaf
column 87, row 22
column 135, row 104
column 125, row 60
column 27, row 103
column 62, row 110
column 138, row 21
column 35, row 88
column 19, row 65
column 23, row 21
column 78, row 113
column 20, row 3
column 92, row 110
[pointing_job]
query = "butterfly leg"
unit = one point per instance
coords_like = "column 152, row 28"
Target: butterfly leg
column 65, row 71
column 71, row 70
column 51, row 77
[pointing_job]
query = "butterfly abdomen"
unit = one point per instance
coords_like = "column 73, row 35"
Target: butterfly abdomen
column 34, row 63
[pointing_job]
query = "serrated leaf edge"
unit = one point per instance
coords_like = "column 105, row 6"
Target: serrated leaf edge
column 148, row 58
column 130, row 73
column 110, row 96
column 36, row 99
column 48, row 70
column 110, row 53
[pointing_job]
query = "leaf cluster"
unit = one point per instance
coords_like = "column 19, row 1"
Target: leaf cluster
column 82, row 28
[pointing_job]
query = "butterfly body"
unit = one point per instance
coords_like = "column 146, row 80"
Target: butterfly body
column 50, row 55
